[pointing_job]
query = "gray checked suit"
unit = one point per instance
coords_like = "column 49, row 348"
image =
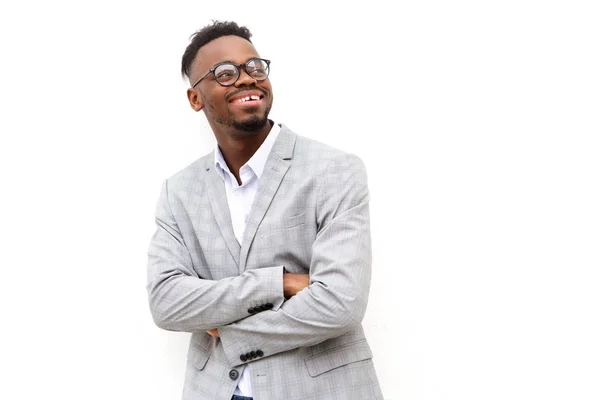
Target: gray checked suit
column 310, row 215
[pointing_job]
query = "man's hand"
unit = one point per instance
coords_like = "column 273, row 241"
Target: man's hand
column 293, row 283
column 213, row 332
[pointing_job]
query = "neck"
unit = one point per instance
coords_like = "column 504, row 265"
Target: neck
column 237, row 148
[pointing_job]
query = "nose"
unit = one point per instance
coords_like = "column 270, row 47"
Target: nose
column 244, row 79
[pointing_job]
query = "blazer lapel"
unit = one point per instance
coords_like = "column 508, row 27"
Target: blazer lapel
column 275, row 169
column 220, row 208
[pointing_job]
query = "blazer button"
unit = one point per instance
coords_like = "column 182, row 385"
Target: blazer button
column 243, row 358
column 263, row 307
column 269, row 306
column 249, row 356
column 260, row 353
column 253, row 354
column 233, row 374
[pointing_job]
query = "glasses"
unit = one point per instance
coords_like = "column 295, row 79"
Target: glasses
column 226, row 74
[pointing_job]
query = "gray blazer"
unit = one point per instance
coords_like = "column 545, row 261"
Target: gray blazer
column 310, row 215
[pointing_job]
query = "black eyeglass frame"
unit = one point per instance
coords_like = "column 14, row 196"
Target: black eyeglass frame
column 237, row 67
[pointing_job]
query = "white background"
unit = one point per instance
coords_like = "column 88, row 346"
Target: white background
column 478, row 122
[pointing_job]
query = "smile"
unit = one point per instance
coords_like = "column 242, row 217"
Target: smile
column 247, row 98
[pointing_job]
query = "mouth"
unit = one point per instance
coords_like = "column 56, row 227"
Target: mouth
column 247, row 98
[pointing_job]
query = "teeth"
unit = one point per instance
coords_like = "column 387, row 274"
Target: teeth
column 248, row 98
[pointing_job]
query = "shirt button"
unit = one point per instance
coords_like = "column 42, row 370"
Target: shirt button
column 233, row 374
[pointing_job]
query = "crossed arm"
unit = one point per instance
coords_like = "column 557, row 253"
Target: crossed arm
column 292, row 284
column 327, row 303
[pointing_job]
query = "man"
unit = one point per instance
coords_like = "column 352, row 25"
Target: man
column 262, row 249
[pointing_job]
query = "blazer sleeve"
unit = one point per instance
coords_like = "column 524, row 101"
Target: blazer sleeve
column 340, row 274
column 180, row 300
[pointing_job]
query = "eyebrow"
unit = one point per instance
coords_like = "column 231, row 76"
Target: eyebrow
column 224, row 62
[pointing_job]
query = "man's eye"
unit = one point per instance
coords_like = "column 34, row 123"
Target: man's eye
column 257, row 72
column 224, row 74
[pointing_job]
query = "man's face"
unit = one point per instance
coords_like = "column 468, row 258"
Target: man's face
column 222, row 104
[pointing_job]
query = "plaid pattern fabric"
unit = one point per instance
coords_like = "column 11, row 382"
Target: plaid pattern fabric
column 310, row 215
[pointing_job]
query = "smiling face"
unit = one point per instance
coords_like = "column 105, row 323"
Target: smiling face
column 239, row 109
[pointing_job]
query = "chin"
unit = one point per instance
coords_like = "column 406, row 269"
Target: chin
column 252, row 124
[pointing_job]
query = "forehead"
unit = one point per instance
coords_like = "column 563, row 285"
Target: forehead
column 225, row 48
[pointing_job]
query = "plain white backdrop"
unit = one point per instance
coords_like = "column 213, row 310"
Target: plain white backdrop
column 478, row 122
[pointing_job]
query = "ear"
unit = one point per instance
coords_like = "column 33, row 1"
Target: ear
column 195, row 99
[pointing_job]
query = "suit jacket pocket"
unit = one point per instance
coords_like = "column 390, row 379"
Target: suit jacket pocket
column 197, row 357
column 338, row 357
column 293, row 221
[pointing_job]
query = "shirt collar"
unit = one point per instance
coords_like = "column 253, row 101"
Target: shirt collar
column 258, row 160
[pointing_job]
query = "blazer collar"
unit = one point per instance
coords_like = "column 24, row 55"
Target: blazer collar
column 284, row 146
column 275, row 169
column 277, row 166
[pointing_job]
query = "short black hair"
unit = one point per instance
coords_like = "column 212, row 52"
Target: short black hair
column 208, row 34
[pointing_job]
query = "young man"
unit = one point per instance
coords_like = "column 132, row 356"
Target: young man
column 262, row 249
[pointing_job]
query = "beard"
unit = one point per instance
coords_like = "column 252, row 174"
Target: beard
column 252, row 124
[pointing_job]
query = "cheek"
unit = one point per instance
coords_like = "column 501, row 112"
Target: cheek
column 270, row 90
column 212, row 105
column 267, row 86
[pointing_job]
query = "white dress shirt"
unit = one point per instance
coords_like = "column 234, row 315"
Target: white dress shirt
column 240, row 199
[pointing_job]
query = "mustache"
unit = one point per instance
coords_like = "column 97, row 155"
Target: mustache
column 244, row 89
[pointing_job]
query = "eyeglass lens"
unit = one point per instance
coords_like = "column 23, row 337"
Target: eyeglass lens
column 227, row 74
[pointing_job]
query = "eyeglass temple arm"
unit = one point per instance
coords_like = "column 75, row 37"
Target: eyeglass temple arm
column 203, row 76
